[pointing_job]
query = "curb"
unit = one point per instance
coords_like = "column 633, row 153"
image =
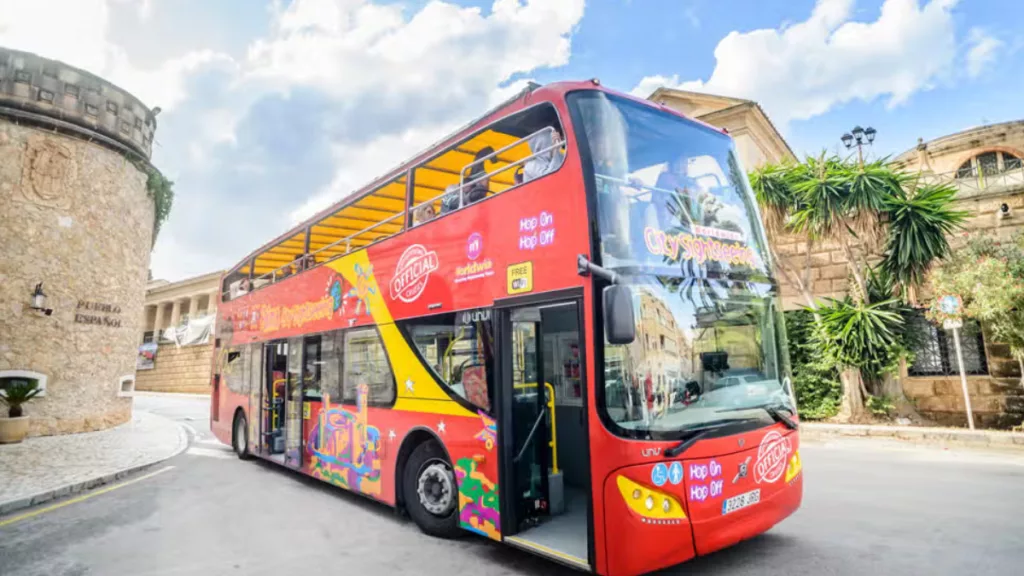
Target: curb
column 152, row 393
column 77, row 487
column 995, row 439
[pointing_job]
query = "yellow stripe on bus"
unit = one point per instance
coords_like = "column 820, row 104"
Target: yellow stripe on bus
column 417, row 389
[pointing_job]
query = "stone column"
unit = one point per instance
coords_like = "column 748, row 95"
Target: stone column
column 175, row 314
column 193, row 305
column 158, row 318
column 211, row 303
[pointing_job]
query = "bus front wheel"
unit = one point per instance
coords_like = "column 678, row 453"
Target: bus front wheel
column 240, row 437
column 430, row 492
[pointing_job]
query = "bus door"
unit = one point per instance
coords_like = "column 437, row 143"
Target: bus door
column 293, row 405
column 545, row 452
column 273, row 401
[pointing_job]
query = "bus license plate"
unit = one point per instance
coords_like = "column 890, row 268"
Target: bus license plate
column 742, row 501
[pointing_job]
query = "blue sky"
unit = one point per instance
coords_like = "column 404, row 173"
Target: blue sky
column 274, row 109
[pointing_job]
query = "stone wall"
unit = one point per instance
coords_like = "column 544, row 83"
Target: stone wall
column 75, row 216
column 995, row 402
column 185, row 369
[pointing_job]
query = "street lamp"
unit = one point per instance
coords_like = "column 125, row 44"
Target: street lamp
column 859, row 137
column 39, row 300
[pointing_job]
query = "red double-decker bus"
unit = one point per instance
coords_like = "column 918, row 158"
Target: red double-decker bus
column 558, row 328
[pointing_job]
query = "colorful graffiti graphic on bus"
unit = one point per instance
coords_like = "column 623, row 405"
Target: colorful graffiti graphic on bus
column 478, row 500
column 364, row 287
column 344, row 448
column 489, row 434
column 273, row 318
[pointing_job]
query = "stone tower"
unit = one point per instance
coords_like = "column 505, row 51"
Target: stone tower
column 75, row 219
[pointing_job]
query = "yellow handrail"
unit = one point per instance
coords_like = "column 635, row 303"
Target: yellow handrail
column 554, row 431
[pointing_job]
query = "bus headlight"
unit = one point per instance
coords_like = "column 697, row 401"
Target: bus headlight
column 651, row 505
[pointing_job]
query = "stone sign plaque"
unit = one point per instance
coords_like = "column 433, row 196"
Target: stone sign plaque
column 47, row 168
column 98, row 314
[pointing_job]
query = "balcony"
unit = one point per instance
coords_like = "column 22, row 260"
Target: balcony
column 976, row 182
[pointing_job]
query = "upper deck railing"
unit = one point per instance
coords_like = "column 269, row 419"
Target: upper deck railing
column 308, row 259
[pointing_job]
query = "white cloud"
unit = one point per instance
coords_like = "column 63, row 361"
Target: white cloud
column 442, row 56
column 982, row 52
column 334, row 94
column 80, row 37
column 351, row 47
column 361, row 163
column 803, row 70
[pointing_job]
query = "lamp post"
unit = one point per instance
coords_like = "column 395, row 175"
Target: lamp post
column 859, row 137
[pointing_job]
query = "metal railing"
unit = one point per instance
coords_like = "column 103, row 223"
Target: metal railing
column 977, row 182
column 463, row 184
column 307, row 261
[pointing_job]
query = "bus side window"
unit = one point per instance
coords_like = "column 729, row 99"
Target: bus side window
column 512, row 151
column 458, row 348
column 311, row 369
column 233, row 374
column 331, row 365
column 367, row 363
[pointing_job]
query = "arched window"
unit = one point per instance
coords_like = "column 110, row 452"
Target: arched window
column 989, row 163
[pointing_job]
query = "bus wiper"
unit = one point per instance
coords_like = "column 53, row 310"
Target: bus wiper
column 690, row 438
column 773, row 410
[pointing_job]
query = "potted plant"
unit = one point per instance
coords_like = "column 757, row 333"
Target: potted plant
column 14, row 392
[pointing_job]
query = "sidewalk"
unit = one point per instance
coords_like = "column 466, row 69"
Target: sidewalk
column 953, row 437
column 41, row 469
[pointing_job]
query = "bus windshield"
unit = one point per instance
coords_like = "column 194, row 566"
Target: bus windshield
column 678, row 223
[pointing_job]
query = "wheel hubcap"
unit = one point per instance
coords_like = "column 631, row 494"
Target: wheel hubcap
column 436, row 488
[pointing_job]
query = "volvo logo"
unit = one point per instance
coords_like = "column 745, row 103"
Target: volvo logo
column 742, row 473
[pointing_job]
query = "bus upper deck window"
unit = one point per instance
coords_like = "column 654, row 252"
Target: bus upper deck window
column 547, row 154
column 478, row 182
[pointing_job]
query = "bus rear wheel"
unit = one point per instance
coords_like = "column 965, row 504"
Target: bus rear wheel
column 240, row 437
column 430, row 492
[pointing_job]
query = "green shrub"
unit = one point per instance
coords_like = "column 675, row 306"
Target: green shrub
column 880, row 405
column 819, row 392
column 818, row 395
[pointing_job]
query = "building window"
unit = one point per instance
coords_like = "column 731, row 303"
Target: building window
column 935, row 351
column 367, row 363
column 148, row 337
column 988, row 164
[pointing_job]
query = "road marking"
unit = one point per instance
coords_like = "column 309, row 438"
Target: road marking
column 210, row 453
column 195, row 433
column 81, row 498
column 212, row 442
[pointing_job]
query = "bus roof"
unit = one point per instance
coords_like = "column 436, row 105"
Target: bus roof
column 554, row 90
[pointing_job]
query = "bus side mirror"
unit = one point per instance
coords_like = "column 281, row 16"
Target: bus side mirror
column 619, row 325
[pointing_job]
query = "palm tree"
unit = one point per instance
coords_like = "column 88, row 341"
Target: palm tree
column 919, row 222
column 865, row 209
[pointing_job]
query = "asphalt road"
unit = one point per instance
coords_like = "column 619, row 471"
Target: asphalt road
column 869, row 508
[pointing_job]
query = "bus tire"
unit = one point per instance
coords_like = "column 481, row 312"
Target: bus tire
column 240, row 436
column 430, row 491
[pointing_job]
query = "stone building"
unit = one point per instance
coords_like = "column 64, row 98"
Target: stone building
column 76, row 224
column 178, row 364
column 984, row 164
column 757, row 140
